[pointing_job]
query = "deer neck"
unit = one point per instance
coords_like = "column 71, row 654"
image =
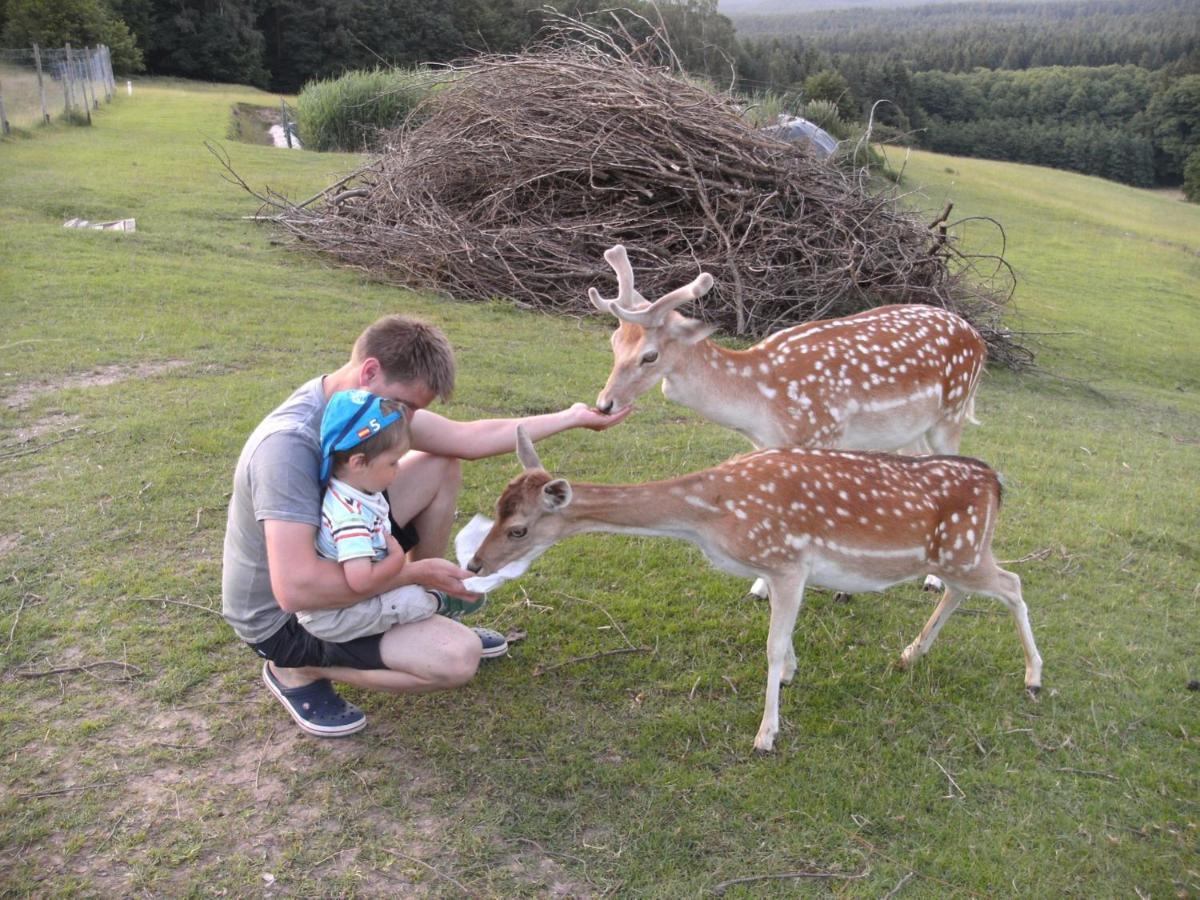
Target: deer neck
column 670, row 508
column 725, row 386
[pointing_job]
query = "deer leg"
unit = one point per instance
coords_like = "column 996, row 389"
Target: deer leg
column 921, row 645
column 1006, row 587
column 786, row 597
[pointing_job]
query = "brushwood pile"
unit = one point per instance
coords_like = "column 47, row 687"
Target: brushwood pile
column 522, row 170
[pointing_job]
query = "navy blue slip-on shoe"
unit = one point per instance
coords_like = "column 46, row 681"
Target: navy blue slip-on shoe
column 494, row 643
column 316, row 707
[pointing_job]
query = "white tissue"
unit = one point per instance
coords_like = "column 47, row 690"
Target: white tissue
column 467, row 542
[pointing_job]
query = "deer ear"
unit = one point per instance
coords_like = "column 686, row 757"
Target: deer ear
column 689, row 331
column 556, row 494
column 525, row 452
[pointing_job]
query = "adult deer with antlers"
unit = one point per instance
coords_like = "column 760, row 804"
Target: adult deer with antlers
column 850, row 521
column 885, row 379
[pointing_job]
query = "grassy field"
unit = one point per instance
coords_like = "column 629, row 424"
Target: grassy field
column 143, row 755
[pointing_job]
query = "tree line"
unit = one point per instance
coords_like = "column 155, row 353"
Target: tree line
column 1105, row 87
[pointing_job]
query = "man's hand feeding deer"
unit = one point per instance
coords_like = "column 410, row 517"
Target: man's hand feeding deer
column 894, row 378
column 842, row 520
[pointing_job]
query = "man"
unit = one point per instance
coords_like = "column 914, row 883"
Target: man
column 271, row 567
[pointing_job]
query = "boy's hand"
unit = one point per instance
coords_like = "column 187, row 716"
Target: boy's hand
column 393, row 545
column 441, row 575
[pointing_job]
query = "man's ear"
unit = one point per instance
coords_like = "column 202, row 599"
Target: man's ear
column 556, row 494
column 369, row 370
column 689, row 331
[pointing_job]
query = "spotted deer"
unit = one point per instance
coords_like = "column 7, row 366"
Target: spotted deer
column 884, row 379
column 846, row 520
column 894, row 378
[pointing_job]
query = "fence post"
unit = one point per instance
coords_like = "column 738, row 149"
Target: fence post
column 4, row 127
column 37, row 58
column 69, row 84
column 85, row 65
column 287, row 128
column 110, row 86
column 75, row 76
column 112, row 79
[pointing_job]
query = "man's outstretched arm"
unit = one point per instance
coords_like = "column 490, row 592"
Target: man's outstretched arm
column 490, row 437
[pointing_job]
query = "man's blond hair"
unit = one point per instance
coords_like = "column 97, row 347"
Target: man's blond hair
column 409, row 350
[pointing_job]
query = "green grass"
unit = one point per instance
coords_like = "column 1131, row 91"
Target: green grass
column 628, row 774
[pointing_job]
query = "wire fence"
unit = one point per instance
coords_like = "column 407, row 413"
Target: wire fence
column 38, row 85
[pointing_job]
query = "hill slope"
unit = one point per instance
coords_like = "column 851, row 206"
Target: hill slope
column 143, row 755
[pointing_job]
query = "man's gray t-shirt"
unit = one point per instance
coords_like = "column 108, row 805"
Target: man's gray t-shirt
column 277, row 477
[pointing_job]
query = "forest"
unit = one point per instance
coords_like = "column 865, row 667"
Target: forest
column 1104, row 87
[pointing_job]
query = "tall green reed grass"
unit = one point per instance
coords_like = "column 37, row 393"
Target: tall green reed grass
column 349, row 112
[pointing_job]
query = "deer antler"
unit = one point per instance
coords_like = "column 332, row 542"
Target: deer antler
column 648, row 315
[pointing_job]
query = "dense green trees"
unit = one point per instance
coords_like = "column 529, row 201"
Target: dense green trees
column 54, row 23
column 1108, row 88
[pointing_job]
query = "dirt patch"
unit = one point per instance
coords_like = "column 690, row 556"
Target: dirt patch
column 8, row 543
column 54, row 422
column 101, row 376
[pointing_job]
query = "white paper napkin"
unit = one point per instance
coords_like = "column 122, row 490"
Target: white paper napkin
column 467, row 542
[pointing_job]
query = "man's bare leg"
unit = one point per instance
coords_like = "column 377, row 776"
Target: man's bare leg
column 425, row 492
column 434, row 654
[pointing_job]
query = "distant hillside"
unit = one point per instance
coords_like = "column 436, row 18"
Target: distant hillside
column 736, row 8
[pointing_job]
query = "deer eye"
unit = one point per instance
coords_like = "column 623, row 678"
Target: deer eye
column 650, row 357
column 516, row 533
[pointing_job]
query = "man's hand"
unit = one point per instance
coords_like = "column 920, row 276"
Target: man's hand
column 590, row 417
column 441, row 575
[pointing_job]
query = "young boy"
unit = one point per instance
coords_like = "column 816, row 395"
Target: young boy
column 363, row 438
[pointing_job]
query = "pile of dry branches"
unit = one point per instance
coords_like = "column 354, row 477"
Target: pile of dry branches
column 526, row 168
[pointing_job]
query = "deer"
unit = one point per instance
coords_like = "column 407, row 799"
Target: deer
column 845, row 520
column 894, row 378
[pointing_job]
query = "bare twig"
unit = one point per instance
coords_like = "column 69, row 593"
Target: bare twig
column 1088, row 773
column 28, row 451
column 438, row 872
column 207, row 609
column 542, row 670
column 67, row 790
column 899, row 886
column 843, row 876
column 961, row 793
column 86, row 667
column 603, row 610
column 16, row 618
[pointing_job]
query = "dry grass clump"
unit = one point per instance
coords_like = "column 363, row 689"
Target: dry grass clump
column 517, row 177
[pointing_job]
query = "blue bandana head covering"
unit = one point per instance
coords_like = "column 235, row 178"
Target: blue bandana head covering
column 350, row 418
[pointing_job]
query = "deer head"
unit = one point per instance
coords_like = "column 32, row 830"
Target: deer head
column 651, row 337
column 527, row 514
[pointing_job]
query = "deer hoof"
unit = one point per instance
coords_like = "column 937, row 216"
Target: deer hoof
column 1033, row 690
column 842, row 597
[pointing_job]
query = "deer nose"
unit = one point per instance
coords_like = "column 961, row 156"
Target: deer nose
column 605, row 408
column 474, row 565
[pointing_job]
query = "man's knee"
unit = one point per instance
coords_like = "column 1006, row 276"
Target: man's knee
column 461, row 663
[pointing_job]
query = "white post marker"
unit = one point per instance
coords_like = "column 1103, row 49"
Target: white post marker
column 129, row 88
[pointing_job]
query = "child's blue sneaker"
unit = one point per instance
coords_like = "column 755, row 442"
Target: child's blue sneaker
column 494, row 643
